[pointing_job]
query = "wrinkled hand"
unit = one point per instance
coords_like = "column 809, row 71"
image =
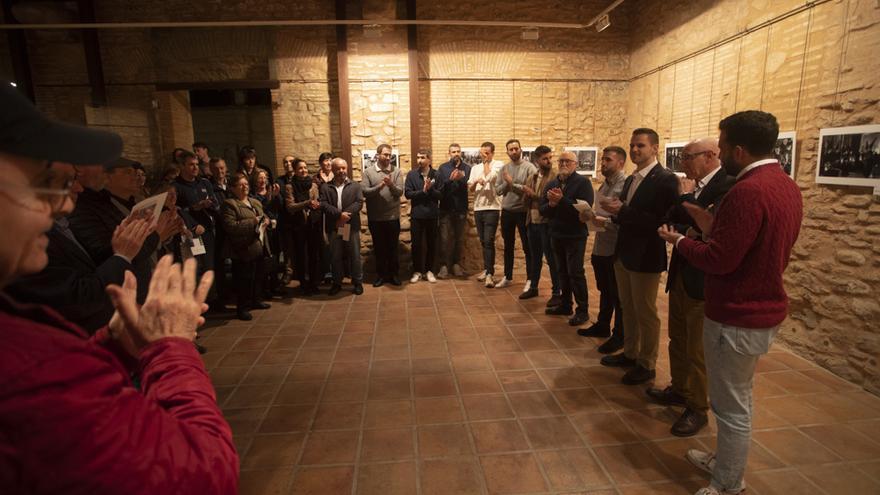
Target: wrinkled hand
column 612, row 206
column 702, row 216
column 345, row 217
column 599, row 221
column 199, row 230
column 554, row 196
column 527, row 191
column 128, row 238
column 586, row 216
column 314, row 204
column 387, row 181
column 668, row 234
column 686, row 185
column 173, row 307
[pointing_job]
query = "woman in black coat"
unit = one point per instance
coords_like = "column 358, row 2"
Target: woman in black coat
column 301, row 201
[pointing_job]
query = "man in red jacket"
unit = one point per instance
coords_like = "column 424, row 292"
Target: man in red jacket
column 747, row 247
column 71, row 421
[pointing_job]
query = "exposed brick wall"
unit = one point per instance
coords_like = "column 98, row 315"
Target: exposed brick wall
column 812, row 70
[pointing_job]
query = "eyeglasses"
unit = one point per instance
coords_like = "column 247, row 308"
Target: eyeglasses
column 36, row 199
column 691, row 156
column 566, row 160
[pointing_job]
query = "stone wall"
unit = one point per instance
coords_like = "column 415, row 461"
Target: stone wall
column 814, row 69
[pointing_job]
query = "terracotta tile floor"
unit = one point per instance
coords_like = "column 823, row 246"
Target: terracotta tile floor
column 451, row 388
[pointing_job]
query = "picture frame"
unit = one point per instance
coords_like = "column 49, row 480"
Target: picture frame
column 587, row 157
column 849, row 156
column 471, row 156
column 369, row 158
column 672, row 154
column 786, row 151
column 527, row 152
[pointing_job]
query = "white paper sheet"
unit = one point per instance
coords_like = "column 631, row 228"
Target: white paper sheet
column 152, row 205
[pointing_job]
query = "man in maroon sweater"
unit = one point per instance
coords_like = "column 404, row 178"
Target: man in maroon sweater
column 748, row 243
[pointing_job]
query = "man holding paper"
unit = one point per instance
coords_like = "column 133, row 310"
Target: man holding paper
column 568, row 235
column 341, row 201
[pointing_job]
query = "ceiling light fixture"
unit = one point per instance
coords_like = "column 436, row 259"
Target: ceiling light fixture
column 529, row 33
column 603, row 23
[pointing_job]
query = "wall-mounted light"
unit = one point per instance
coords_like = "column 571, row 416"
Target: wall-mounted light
column 602, row 23
column 13, row 84
column 529, row 33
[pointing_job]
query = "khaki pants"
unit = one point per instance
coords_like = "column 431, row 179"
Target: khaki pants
column 638, row 298
column 687, row 364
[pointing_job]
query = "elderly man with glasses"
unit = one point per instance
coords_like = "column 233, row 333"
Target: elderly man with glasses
column 705, row 184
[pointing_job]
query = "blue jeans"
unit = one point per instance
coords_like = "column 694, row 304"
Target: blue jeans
column 731, row 354
column 539, row 243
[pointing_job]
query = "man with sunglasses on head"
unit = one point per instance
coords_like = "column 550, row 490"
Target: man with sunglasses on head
column 71, row 419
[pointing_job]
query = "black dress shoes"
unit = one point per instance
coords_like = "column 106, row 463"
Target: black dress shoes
column 666, row 396
column 529, row 294
column 689, row 424
column 555, row 300
column 595, row 330
column 578, row 319
column 395, row 281
column 379, row 282
column 358, row 289
column 613, row 344
column 559, row 310
column 244, row 315
column 638, row 375
column 261, row 305
column 617, row 361
column 334, row 289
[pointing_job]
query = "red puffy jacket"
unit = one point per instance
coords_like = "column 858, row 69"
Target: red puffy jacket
column 71, row 421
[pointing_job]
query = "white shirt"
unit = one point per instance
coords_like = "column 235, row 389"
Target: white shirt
column 705, row 180
column 339, row 195
column 638, row 177
column 484, row 195
column 754, row 165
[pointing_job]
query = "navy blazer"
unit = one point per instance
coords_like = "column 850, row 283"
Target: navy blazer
column 638, row 247
column 72, row 284
column 563, row 219
column 424, row 204
column 711, row 194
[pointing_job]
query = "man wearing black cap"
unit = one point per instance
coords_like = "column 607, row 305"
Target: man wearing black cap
column 72, row 420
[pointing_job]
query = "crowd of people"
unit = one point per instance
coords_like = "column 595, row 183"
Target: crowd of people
column 127, row 289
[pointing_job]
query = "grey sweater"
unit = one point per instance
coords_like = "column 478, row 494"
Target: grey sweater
column 512, row 196
column 383, row 203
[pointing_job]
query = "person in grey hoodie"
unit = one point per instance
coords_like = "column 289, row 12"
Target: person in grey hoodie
column 383, row 186
column 513, row 177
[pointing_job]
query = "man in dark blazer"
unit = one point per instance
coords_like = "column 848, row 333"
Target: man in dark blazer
column 705, row 185
column 648, row 194
column 71, row 283
column 341, row 202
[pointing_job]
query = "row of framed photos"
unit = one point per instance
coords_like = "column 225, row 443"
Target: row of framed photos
column 847, row 155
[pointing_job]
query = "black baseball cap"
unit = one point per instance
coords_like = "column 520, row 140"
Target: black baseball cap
column 24, row 131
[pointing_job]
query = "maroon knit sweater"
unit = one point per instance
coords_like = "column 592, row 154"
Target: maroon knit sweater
column 754, row 229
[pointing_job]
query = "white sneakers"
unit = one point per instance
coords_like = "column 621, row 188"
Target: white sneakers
column 706, row 462
column 415, row 278
column 482, row 276
column 527, row 286
column 503, row 283
column 442, row 272
column 430, row 277
column 490, row 282
column 457, row 271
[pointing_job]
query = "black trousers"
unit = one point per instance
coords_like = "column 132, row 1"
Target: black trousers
column 386, row 235
column 486, row 222
column 572, row 281
column 307, row 245
column 511, row 221
column 424, row 243
column 247, row 277
column 609, row 302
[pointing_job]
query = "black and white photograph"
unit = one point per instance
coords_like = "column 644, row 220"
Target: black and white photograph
column 471, row 156
column 673, row 155
column 785, row 151
column 527, row 152
column 586, row 157
column 849, row 156
column 369, row 158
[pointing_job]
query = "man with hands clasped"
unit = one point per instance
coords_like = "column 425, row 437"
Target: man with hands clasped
column 342, row 200
column 424, row 210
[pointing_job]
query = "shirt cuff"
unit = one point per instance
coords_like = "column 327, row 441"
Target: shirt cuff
column 677, row 240
column 126, row 258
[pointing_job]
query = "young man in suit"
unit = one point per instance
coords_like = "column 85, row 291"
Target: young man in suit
column 648, row 193
column 706, row 183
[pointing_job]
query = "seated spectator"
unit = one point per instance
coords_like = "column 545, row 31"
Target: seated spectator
column 245, row 225
column 72, row 420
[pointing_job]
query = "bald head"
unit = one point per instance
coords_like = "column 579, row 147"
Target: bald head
column 340, row 170
column 700, row 157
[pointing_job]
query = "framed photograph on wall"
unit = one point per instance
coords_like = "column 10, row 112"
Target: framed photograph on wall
column 672, row 152
column 849, row 156
column 369, row 158
column 526, row 153
column 785, row 151
column 586, row 157
column 471, row 156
